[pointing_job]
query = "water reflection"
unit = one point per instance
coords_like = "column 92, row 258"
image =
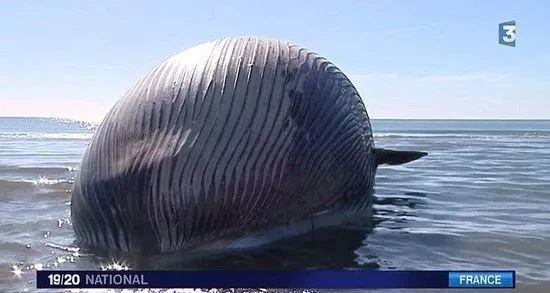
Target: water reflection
column 396, row 210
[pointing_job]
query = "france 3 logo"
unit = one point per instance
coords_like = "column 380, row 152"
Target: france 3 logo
column 507, row 33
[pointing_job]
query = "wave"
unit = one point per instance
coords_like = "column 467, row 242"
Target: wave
column 46, row 181
column 48, row 135
column 37, row 175
column 36, row 170
column 13, row 186
column 487, row 135
column 82, row 123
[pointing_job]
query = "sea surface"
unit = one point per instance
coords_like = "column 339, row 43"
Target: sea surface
column 480, row 200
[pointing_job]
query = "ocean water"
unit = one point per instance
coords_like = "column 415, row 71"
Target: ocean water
column 480, row 200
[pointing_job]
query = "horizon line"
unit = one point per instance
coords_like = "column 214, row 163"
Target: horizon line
column 371, row 118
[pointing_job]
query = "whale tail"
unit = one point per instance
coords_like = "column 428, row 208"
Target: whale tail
column 391, row 157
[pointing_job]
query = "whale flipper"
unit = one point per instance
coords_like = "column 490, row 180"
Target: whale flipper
column 391, row 157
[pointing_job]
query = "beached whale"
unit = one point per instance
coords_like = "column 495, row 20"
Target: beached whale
column 224, row 140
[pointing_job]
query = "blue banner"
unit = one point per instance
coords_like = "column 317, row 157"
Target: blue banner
column 326, row 279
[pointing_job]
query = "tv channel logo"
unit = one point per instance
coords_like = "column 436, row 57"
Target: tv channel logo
column 507, row 34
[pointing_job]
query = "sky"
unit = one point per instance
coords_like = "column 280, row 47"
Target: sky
column 408, row 59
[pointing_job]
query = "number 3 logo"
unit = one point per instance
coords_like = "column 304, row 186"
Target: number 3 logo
column 510, row 31
column 507, row 33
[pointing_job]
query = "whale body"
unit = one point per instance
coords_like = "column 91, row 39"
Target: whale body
column 224, row 139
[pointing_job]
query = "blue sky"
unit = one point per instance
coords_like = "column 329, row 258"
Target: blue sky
column 408, row 59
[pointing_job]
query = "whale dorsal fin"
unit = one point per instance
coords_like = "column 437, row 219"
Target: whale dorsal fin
column 391, row 157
